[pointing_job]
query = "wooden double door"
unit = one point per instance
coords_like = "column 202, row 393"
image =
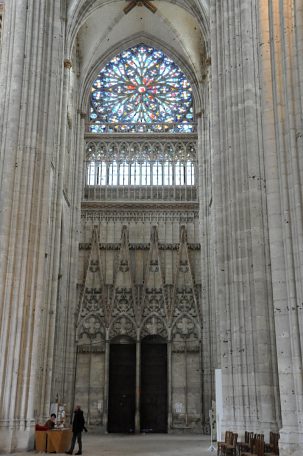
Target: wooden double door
column 149, row 405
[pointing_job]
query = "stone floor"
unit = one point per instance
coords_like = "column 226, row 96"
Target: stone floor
column 143, row 445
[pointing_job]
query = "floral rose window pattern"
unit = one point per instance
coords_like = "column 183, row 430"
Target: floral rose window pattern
column 141, row 86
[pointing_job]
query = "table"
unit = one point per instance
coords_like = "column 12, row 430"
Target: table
column 40, row 440
column 55, row 441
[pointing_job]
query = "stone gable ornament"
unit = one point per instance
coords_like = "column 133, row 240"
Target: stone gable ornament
column 123, row 301
column 92, row 299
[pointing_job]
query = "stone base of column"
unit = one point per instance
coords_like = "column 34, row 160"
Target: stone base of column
column 291, row 443
column 12, row 440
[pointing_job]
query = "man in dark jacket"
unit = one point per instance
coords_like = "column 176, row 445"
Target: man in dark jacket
column 78, row 426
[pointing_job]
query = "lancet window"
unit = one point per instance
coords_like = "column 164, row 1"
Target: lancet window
column 101, row 173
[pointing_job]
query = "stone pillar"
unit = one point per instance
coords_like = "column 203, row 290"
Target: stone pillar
column 30, row 87
column 60, row 263
column 65, row 368
column 243, row 293
column 208, row 310
column 281, row 65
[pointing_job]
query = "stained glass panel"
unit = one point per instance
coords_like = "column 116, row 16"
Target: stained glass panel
column 141, row 86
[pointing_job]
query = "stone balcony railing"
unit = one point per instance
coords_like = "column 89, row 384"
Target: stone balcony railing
column 93, row 193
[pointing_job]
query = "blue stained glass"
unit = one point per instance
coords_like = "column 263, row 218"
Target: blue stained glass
column 141, row 85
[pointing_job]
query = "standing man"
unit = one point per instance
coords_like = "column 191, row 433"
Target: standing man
column 78, row 426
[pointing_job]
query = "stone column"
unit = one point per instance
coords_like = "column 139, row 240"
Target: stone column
column 207, row 311
column 281, row 65
column 60, row 267
column 243, row 293
column 65, row 369
column 30, row 87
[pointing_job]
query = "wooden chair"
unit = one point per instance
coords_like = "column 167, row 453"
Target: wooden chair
column 257, row 444
column 231, row 448
column 245, row 446
column 272, row 448
column 227, row 441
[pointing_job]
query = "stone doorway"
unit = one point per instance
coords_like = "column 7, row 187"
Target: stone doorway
column 153, row 385
column 153, row 404
column 122, row 386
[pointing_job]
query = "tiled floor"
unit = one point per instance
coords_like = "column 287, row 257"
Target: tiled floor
column 143, row 445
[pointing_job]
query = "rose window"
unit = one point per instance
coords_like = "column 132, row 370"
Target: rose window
column 141, row 85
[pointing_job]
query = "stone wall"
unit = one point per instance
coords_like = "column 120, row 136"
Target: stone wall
column 153, row 243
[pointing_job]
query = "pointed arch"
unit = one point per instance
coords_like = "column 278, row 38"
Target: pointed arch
column 153, row 325
column 135, row 40
column 91, row 330
column 123, row 325
column 80, row 10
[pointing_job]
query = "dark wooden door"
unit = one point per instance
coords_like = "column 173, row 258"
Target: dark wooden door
column 122, row 386
column 153, row 403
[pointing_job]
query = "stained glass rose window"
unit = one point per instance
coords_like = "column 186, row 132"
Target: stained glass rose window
column 141, row 85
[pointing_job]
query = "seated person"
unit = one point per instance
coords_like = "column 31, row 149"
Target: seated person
column 50, row 423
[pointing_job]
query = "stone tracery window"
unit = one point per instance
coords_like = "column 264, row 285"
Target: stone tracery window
column 141, row 131
column 140, row 163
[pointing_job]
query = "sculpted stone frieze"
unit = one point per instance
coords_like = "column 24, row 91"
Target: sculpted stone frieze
column 138, row 246
column 99, row 213
column 144, row 148
column 138, row 310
